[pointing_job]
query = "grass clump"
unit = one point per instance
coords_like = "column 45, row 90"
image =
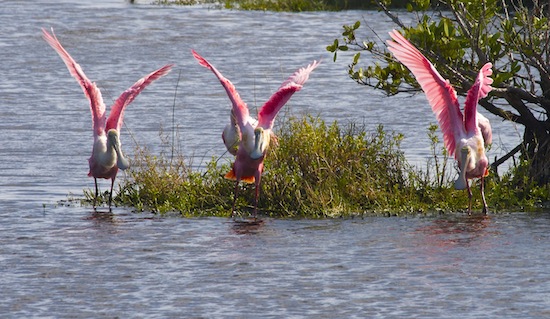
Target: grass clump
column 274, row 5
column 164, row 184
column 321, row 170
column 325, row 170
column 316, row 170
column 516, row 191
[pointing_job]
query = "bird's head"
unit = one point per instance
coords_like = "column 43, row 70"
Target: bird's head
column 114, row 141
column 262, row 138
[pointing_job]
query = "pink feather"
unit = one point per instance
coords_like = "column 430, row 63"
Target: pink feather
column 104, row 163
column 248, row 166
column 480, row 89
column 441, row 95
column 239, row 107
column 464, row 136
column 117, row 110
column 293, row 84
column 90, row 89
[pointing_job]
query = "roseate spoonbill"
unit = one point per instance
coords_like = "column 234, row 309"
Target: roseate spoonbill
column 465, row 136
column 107, row 156
column 253, row 136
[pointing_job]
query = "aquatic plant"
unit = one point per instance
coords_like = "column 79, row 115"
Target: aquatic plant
column 162, row 184
column 270, row 5
column 319, row 170
column 326, row 170
column 316, row 170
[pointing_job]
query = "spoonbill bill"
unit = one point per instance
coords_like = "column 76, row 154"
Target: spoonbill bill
column 253, row 136
column 107, row 156
column 465, row 135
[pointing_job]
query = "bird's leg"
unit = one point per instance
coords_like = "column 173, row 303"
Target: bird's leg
column 256, row 195
column 256, row 201
column 482, row 187
column 469, row 198
column 235, row 199
column 96, row 192
column 111, row 193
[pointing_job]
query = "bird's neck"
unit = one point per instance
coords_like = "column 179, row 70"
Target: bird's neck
column 104, row 152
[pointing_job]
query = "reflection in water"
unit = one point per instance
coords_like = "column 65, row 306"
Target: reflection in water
column 247, row 226
column 101, row 219
column 101, row 215
column 462, row 230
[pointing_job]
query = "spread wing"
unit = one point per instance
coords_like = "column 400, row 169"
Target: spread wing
column 472, row 119
column 293, row 84
column 90, row 89
column 441, row 95
column 117, row 110
column 240, row 109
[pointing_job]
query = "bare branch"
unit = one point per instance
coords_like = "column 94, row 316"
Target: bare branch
column 393, row 17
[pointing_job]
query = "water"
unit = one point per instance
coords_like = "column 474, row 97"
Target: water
column 69, row 263
column 62, row 260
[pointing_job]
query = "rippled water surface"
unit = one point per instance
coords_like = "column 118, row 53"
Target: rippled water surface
column 69, row 262
column 66, row 261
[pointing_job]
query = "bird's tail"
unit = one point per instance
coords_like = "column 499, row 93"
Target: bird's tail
column 247, row 179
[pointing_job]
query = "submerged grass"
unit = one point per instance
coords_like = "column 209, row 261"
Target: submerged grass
column 318, row 170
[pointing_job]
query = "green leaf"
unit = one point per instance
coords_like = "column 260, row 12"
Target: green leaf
column 356, row 57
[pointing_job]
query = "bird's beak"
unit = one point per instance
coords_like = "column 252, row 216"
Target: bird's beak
column 461, row 182
column 121, row 161
column 233, row 118
column 261, row 142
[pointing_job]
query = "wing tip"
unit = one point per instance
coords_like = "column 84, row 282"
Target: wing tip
column 202, row 61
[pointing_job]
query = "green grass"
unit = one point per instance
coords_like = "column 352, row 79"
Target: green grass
column 156, row 183
column 273, row 5
column 324, row 170
column 319, row 170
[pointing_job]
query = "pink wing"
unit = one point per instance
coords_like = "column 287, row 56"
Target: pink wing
column 90, row 89
column 441, row 95
column 293, row 84
column 239, row 107
column 117, row 110
column 480, row 89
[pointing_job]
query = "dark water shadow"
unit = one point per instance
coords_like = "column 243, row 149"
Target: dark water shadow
column 99, row 217
column 247, row 226
column 457, row 230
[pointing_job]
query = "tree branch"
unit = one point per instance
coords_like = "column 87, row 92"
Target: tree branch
column 393, row 17
column 504, row 158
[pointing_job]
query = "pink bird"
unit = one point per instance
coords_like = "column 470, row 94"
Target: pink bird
column 465, row 136
column 107, row 156
column 253, row 136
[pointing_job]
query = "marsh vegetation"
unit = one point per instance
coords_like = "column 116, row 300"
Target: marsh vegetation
column 317, row 170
